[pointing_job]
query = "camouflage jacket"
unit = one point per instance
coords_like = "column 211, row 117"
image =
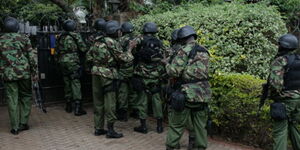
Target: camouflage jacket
column 106, row 55
column 18, row 58
column 92, row 53
column 196, row 69
column 172, row 50
column 93, row 37
column 148, row 71
column 68, row 48
column 126, row 69
column 276, row 80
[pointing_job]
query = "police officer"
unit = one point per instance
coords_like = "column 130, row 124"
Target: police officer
column 70, row 44
column 126, row 71
column 175, row 45
column 18, row 66
column 189, row 68
column 107, row 55
column 99, row 26
column 93, row 60
column 147, row 75
column 285, row 90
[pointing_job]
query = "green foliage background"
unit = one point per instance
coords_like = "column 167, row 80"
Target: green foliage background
column 241, row 38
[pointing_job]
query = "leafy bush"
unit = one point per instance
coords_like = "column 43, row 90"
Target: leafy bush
column 38, row 13
column 234, row 109
column 241, row 38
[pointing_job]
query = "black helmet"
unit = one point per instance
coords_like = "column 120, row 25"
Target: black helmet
column 127, row 27
column 11, row 24
column 150, row 27
column 100, row 24
column 186, row 31
column 288, row 41
column 174, row 35
column 69, row 25
column 112, row 27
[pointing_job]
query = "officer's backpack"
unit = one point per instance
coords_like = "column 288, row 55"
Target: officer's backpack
column 150, row 48
column 291, row 75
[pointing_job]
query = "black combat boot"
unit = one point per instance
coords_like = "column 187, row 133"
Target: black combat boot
column 99, row 132
column 14, row 131
column 160, row 128
column 68, row 107
column 142, row 128
column 191, row 143
column 78, row 109
column 23, row 127
column 111, row 133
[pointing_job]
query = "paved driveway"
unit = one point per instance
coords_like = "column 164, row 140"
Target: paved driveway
column 58, row 130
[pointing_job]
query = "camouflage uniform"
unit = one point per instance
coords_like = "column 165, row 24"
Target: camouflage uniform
column 93, row 60
column 69, row 61
column 197, row 95
column 291, row 99
column 92, row 39
column 170, row 54
column 105, row 56
column 126, row 71
column 151, row 75
column 17, row 64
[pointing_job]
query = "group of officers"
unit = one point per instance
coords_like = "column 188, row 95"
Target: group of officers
column 129, row 71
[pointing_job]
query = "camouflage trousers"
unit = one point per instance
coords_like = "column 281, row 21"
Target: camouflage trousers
column 155, row 99
column 72, row 89
column 98, row 99
column 123, row 95
column 19, row 99
column 195, row 120
column 104, row 102
column 288, row 128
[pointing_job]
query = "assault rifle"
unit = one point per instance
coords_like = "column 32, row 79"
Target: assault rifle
column 264, row 95
column 39, row 100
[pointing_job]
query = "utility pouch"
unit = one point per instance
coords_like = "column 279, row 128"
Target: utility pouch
column 278, row 111
column 138, row 84
column 178, row 100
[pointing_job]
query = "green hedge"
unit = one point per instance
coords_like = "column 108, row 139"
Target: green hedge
column 241, row 38
column 234, row 109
